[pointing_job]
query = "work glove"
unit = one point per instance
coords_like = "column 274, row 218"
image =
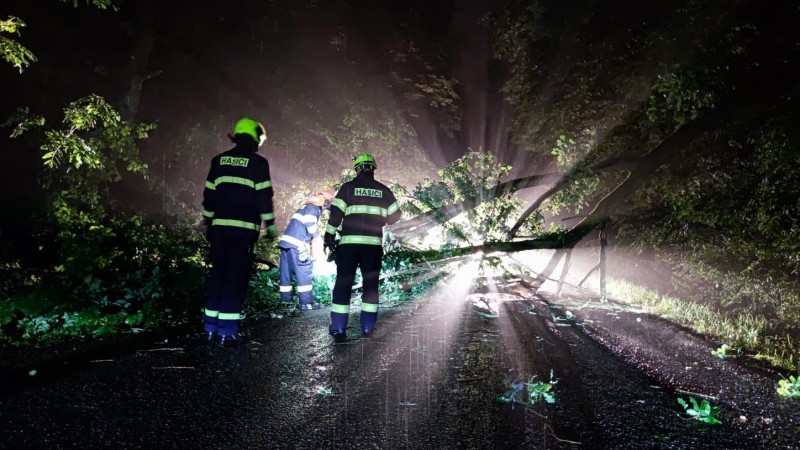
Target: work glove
column 271, row 232
column 303, row 255
column 329, row 244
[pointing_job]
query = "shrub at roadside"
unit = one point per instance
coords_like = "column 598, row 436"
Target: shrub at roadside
column 104, row 276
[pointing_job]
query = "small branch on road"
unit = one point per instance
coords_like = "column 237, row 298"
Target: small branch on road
column 164, row 349
column 697, row 394
column 482, row 330
column 467, row 380
column 550, row 429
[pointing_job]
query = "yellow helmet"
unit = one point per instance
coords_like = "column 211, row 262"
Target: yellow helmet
column 252, row 128
column 363, row 161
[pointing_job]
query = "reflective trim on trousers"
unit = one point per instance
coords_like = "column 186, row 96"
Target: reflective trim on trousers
column 369, row 307
column 340, row 309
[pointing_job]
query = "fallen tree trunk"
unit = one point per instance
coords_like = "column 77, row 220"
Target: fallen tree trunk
column 549, row 241
column 646, row 167
column 640, row 170
column 602, row 211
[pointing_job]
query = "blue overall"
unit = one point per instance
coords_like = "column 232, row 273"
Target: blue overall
column 290, row 264
column 295, row 258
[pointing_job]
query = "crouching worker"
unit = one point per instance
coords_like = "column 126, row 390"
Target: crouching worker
column 295, row 250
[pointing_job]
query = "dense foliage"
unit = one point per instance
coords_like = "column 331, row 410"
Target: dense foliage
column 103, row 277
column 684, row 140
column 673, row 123
column 473, row 178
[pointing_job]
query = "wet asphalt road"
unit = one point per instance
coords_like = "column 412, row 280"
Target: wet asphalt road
column 428, row 379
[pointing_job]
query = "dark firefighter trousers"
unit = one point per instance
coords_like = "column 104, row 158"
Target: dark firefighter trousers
column 231, row 262
column 291, row 266
column 348, row 258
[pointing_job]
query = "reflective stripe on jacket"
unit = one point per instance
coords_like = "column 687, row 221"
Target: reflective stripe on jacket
column 238, row 191
column 302, row 227
column 362, row 207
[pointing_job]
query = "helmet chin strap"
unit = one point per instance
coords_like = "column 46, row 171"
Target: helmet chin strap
column 262, row 139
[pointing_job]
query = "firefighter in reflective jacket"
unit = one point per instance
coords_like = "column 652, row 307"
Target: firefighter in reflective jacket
column 295, row 250
column 359, row 212
column 236, row 200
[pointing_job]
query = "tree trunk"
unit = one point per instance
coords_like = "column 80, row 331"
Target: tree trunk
column 139, row 60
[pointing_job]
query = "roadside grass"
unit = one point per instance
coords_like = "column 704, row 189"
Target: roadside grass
column 722, row 351
column 747, row 331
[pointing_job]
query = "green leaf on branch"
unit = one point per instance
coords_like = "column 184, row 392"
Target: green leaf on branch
column 22, row 120
column 91, row 149
column 12, row 51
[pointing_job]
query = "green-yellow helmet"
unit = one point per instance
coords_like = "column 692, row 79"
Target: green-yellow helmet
column 252, row 128
column 363, row 160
